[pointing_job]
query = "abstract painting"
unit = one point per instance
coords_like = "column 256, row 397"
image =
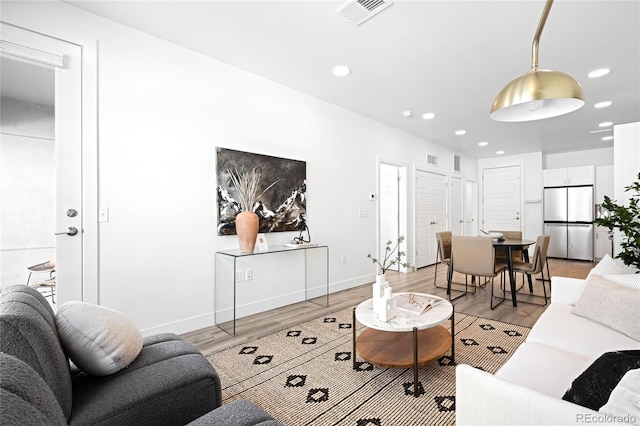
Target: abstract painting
column 281, row 208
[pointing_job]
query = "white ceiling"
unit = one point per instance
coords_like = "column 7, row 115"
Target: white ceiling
column 447, row 57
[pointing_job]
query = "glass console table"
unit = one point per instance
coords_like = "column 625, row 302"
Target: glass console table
column 308, row 263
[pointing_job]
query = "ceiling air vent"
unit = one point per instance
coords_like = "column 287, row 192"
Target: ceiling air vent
column 456, row 163
column 432, row 159
column 358, row 11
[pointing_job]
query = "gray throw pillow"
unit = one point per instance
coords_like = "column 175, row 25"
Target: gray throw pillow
column 100, row 341
column 610, row 304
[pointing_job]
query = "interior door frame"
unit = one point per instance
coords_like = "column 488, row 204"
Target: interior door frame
column 43, row 25
column 403, row 204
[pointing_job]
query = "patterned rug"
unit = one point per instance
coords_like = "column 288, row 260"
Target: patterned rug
column 304, row 375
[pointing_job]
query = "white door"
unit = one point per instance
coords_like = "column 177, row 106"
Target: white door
column 456, row 206
column 471, row 207
column 65, row 61
column 501, row 199
column 431, row 215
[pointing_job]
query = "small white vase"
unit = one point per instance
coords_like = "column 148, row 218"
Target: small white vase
column 381, row 293
column 389, row 311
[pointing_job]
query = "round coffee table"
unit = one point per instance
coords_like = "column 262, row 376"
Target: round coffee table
column 408, row 340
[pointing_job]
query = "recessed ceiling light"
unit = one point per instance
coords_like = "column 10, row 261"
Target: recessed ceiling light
column 499, row 152
column 461, row 132
column 407, row 114
column 603, row 104
column 483, row 143
column 340, row 71
column 607, row 138
column 428, row 115
column 606, row 124
column 599, row 72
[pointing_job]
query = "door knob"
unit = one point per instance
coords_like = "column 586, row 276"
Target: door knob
column 71, row 231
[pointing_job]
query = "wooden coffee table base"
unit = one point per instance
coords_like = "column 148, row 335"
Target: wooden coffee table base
column 403, row 349
column 389, row 349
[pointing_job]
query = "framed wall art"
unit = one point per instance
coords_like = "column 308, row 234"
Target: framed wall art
column 281, row 208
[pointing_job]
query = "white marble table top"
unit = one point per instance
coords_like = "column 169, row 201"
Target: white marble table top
column 405, row 321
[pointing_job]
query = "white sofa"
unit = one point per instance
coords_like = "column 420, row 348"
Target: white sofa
column 528, row 389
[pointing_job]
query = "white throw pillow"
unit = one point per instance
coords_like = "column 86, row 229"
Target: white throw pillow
column 100, row 341
column 610, row 304
column 625, row 397
column 631, row 281
column 608, row 266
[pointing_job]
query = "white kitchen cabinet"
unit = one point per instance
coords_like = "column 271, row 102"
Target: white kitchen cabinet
column 602, row 244
column 554, row 177
column 570, row 176
column 585, row 175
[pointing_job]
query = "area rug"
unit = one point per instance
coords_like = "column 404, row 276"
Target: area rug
column 304, row 375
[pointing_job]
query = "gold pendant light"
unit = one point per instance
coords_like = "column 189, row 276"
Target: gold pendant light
column 538, row 94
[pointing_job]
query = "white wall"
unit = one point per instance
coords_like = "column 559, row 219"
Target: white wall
column 531, row 188
column 162, row 112
column 27, row 184
column 590, row 157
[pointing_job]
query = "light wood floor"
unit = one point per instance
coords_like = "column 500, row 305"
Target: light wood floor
column 212, row 339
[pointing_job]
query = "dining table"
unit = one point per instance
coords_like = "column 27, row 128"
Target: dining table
column 509, row 245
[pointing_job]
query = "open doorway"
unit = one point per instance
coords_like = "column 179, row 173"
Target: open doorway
column 392, row 205
column 27, row 175
column 41, row 172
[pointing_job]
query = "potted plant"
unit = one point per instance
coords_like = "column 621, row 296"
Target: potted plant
column 627, row 220
column 247, row 185
column 392, row 257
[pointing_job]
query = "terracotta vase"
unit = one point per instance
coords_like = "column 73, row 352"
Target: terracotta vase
column 247, row 225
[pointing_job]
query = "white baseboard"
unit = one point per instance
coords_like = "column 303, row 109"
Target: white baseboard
column 211, row 319
column 182, row 326
column 351, row 283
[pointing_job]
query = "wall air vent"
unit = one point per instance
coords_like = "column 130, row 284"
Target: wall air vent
column 456, row 163
column 358, row 11
column 432, row 159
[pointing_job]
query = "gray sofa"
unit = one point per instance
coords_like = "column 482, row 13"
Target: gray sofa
column 169, row 383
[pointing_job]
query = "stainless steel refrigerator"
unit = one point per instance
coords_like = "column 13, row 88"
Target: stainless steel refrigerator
column 568, row 219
